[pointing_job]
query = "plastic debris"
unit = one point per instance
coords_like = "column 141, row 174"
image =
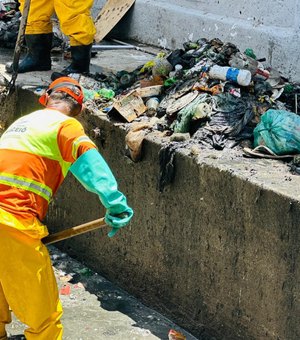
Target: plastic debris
column 167, row 165
column 106, row 93
column 238, row 87
column 152, row 105
column 174, row 335
column 85, row 272
column 66, row 290
column 242, row 77
column 160, row 66
column 130, row 106
column 279, row 130
column 134, row 139
column 185, row 115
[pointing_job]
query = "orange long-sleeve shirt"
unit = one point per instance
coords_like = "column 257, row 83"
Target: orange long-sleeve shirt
column 25, row 204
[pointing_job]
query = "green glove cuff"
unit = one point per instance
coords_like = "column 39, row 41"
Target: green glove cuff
column 92, row 171
column 118, row 222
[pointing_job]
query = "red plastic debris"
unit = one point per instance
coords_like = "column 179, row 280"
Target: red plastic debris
column 66, row 290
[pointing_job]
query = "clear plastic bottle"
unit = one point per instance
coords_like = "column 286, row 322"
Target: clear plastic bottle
column 152, row 105
column 241, row 77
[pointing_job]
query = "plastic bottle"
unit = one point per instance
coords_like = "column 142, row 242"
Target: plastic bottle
column 161, row 66
column 152, row 105
column 245, row 62
column 242, row 77
column 106, row 93
column 177, row 73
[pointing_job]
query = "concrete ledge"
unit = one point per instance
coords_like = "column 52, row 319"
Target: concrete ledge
column 217, row 250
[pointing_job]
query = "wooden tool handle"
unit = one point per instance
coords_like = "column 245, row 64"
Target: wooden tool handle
column 77, row 230
column 18, row 46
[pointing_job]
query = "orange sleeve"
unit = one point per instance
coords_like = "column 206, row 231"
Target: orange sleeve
column 72, row 140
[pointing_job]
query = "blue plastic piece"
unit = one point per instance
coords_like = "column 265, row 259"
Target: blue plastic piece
column 232, row 74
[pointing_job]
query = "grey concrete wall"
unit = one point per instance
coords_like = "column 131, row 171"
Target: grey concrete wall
column 270, row 27
column 217, row 251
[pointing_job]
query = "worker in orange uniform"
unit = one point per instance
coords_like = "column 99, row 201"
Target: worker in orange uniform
column 36, row 152
column 75, row 22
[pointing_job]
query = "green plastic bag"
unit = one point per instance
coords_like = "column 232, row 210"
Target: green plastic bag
column 279, row 130
column 185, row 115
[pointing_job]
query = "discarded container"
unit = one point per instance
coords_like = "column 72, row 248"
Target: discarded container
column 90, row 94
column 161, row 66
column 130, row 106
column 177, row 73
column 174, row 335
column 149, row 91
column 152, row 105
column 106, row 93
column 242, row 77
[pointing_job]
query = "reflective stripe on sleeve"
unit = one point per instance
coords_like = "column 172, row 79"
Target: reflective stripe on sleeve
column 77, row 143
column 27, row 184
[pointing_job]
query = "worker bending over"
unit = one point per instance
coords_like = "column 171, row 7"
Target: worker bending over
column 36, row 153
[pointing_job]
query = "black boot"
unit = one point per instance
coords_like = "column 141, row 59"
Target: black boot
column 81, row 57
column 38, row 57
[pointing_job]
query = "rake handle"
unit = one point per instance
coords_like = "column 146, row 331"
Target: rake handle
column 77, row 230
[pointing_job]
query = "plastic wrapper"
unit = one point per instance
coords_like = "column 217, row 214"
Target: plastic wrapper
column 279, row 130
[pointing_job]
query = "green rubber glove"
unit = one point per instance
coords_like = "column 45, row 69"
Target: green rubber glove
column 92, row 171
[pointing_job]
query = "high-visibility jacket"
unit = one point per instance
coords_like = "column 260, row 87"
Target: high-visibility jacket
column 36, row 153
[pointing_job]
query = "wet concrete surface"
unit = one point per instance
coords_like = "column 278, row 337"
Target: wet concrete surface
column 96, row 309
column 104, row 60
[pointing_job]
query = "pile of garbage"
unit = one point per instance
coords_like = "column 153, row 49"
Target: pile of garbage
column 9, row 23
column 208, row 92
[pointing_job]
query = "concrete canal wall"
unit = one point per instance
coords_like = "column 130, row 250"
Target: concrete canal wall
column 270, row 27
column 217, row 250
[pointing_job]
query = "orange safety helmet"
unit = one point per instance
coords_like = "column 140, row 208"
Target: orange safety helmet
column 64, row 84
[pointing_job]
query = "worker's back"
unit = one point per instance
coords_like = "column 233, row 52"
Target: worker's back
column 32, row 166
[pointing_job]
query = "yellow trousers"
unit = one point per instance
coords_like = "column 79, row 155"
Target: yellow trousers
column 74, row 18
column 28, row 286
